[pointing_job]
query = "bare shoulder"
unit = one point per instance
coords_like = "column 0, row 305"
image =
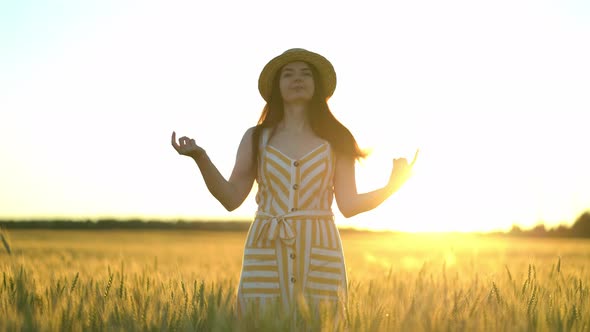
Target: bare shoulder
column 247, row 138
column 250, row 131
column 248, row 135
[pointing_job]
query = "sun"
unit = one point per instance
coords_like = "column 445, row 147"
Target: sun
column 438, row 198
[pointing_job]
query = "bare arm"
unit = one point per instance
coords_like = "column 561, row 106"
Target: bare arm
column 230, row 193
column 350, row 202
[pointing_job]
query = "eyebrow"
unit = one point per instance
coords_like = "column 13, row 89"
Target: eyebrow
column 291, row 69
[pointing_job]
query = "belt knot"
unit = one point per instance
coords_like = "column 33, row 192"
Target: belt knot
column 281, row 226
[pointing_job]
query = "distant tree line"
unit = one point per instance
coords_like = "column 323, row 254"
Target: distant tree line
column 132, row 224
column 580, row 228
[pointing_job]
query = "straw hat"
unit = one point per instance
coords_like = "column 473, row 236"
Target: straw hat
column 324, row 67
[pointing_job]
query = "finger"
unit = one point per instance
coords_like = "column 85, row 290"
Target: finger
column 415, row 157
column 183, row 141
column 174, row 144
column 193, row 143
column 400, row 164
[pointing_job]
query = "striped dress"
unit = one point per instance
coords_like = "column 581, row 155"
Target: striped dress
column 293, row 252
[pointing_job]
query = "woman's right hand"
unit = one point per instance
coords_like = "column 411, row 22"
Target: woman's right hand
column 187, row 147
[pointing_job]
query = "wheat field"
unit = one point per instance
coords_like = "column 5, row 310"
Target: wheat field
column 186, row 281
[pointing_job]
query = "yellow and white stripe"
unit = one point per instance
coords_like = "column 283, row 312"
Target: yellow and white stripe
column 293, row 249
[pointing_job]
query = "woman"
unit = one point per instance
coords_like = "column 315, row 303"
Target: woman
column 301, row 158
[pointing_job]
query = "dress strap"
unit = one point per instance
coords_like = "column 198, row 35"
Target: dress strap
column 262, row 142
column 264, row 137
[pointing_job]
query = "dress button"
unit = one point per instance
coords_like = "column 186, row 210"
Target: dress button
column 293, row 209
column 292, row 256
column 295, row 186
column 296, row 163
column 293, row 279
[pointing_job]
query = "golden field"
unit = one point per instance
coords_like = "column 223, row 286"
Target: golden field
column 186, row 281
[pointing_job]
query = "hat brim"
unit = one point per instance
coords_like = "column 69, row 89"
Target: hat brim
column 323, row 66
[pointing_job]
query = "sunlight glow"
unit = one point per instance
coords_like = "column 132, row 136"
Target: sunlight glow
column 89, row 94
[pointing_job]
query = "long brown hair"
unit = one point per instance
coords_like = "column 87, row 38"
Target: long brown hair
column 321, row 119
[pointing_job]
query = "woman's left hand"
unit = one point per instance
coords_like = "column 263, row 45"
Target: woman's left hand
column 401, row 172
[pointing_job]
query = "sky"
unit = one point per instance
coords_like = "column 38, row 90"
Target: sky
column 496, row 95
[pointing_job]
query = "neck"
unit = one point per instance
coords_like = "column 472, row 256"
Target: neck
column 295, row 117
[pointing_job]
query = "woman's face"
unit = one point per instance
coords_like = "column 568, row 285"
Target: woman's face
column 296, row 82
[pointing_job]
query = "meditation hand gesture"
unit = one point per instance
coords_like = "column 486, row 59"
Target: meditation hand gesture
column 187, row 147
column 401, row 172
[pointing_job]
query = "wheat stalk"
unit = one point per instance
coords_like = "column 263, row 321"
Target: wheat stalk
column 4, row 239
column 109, row 284
column 74, row 282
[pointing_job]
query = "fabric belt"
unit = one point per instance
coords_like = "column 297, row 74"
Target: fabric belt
column 281, row 226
